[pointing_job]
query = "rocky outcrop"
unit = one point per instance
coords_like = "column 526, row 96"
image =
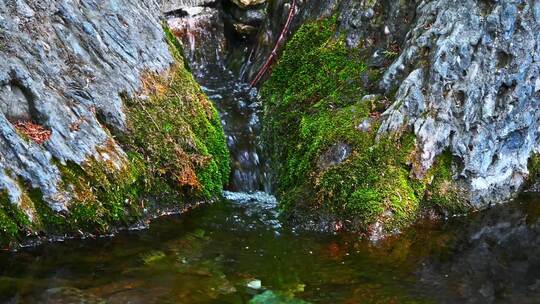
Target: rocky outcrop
column 461, row 76
column 65, row 63
column 63, row 67
column 468, row 80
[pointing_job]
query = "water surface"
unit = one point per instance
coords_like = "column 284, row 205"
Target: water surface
column 211, row 254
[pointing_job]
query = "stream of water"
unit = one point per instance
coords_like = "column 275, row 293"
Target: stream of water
column 212, row 254
column 237, row 251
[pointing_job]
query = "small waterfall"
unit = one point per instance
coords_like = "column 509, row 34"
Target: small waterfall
column 203, row 35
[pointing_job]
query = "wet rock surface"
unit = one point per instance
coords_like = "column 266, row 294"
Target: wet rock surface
column 500, row 247
column 336, row 154
column 64, row 63
column 214, row 51
column 467, row 81
column 202, row 33
column 462, row 75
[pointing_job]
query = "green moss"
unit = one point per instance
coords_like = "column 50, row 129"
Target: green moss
column 442, row 191
column 153, row 257
column 373, row 183
column 8, row 226
column 48, row 219
column 534, row 169
column 311, row 77
column 13, row 221
column 104, row 195
column 211, row 143
column 312, row 103
column 177, row 131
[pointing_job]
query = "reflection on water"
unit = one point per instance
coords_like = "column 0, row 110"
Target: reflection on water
column 211, row 254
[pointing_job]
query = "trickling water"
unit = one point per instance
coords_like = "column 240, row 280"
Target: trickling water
column 203, row 37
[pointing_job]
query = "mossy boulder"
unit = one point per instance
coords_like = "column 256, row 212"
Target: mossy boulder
column 173, row 155
column 322, row 136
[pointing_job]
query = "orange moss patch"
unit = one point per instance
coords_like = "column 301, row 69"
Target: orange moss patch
column 35, row 132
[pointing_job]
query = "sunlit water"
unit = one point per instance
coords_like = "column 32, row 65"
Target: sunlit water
column 211, row 254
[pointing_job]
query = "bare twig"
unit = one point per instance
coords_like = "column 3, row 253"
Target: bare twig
column 273, row 54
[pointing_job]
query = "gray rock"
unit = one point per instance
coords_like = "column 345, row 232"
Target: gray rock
column 248, row 3
column 335, row 155
column 475, row 94
column 64, row 62
column 250, row 16
column 170, row 6
column 244, row 29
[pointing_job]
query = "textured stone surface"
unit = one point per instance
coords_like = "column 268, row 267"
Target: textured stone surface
column 247, row 3
column 63, row 64
column 463, row 75
column 170, row 6
column 468, row 80
column 249, row 16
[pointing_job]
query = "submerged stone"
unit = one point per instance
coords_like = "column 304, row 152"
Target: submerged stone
column 270, row 297
column 255, row 284
column 336, row 154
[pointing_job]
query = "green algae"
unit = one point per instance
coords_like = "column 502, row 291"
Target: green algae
column 533, row 167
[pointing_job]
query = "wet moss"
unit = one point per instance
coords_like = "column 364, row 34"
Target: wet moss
column 49, row 220
column 8, row 226
column 104, row 194
column 443, row 192
column 13, row 221
column 533, row 167
column 312, row 103
column 177, row 131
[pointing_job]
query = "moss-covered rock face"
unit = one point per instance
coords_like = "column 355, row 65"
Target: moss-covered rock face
column 177, row 132
column 322, row 136
column 174, row 154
